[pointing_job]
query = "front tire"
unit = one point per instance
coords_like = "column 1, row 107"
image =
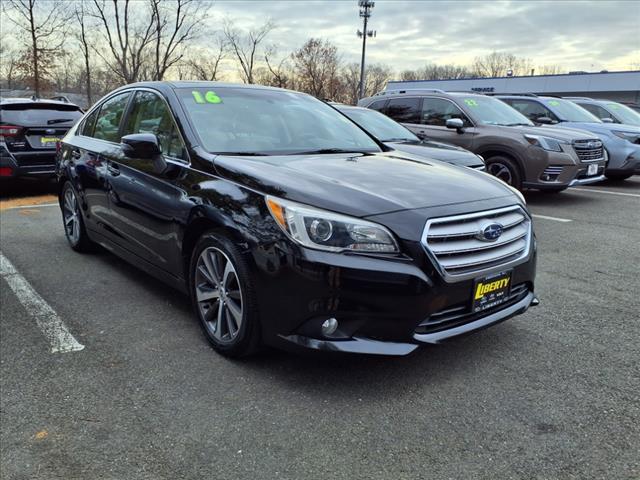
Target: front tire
column 506, row 170
column 223, row 296
column 72, row 220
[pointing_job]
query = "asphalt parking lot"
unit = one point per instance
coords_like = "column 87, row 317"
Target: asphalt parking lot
column 552, row 394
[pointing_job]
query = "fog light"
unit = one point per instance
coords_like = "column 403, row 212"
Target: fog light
column 329, row 326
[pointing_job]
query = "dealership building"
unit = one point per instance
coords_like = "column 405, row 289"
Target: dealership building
column 617, row 86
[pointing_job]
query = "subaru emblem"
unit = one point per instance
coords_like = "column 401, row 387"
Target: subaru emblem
column 490, row 232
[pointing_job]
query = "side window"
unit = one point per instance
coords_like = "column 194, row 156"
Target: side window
column 532, row 110
column 404, row 110
column 436, row 111
column 108, row 121
column 150, row 114
column 378, row 105
column 597, row 110
column 90, row 123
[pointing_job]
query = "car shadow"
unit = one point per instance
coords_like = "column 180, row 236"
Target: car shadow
column 564, row 198
column 629, row 184
column 27, row 187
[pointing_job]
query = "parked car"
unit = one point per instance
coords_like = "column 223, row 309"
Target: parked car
column 516, row 151
column 608, row 111
column 621, row 142
column 398, row 137
column 29, row 131
column 288, row 224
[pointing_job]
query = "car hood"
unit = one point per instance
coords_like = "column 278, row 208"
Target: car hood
column 565, row 134
column 361, row 184
column 600, row 128
column 438, row 151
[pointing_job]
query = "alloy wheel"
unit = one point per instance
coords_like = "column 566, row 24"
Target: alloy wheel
column 218, row 294
column 71, row 216
column 501, row 171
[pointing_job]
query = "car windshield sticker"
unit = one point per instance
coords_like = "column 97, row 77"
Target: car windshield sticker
column 209, row 97
column 555, row 103
column 471, row 102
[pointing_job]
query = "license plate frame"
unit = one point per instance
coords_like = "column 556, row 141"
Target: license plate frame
column 490, row 291
column 592, row 169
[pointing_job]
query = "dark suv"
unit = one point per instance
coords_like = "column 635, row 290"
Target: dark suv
column 290, row 225
column 516, row 151
column 29, row 131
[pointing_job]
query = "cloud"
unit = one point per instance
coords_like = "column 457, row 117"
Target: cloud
column 578, row 35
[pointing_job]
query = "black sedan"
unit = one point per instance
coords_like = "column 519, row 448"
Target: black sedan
column 289, row 225
column 398, row 137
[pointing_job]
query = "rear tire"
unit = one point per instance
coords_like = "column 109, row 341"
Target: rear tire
column 72, row 220
column 618, row 176
column 505, row 169
column 223, row 296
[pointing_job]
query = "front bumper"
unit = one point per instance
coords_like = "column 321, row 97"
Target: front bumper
column 383, row 306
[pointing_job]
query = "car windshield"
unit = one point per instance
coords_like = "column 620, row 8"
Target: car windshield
column 568, row 111
column 491, row 111
column 623, row 113
column 260, row 121
column 379, row 125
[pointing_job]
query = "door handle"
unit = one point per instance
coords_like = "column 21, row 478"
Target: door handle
column 113, row 169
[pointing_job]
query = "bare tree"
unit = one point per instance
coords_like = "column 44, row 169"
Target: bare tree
column 278, row 72
column 244, row 46
column 205, row 65
column 550, row 70
column 85, row 46
column 316, row 64
column 174, row 27
column 409, row 75
column 44, row 24
column 9, row 58
column 125, row 38
column 497, row 64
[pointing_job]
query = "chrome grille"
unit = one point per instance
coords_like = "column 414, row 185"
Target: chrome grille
column 589, row 150
column 455, row 244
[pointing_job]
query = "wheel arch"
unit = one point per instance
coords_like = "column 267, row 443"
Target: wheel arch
column 499, row 150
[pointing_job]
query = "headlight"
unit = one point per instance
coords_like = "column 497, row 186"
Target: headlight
column 546, row 143
column 632, row 137
column 319, row 229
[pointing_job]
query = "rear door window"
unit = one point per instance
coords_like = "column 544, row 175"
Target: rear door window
column 39, row 115
column 150, row 114
column 436, row 112
column 108, row 120
column 404, row 110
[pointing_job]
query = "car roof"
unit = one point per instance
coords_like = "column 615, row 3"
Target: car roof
column 179, row 84
column 22, row 100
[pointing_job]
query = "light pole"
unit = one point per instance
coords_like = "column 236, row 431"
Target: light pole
column 365, row 12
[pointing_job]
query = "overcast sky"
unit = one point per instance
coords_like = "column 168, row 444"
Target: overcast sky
column 578, row 35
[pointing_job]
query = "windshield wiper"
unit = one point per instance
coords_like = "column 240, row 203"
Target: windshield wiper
column 59, row 120
column 325, row 150
column 243, row 154
column 515, row 124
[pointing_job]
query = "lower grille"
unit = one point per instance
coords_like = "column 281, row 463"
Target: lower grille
column 589, row 150
column 465, row 245
column 460, row 314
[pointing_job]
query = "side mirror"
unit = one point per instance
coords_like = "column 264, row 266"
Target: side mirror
column 455, row 123
column 608, row 120
column 420, row 135
column 141, row 145
column 544, row 120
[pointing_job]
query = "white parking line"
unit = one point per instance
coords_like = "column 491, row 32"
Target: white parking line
column 555, row 219
column 622, row 194
column 46, row 318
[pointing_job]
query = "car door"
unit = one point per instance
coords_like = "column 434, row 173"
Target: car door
column 88, row 152
column 434, row 115
column 144, row 193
